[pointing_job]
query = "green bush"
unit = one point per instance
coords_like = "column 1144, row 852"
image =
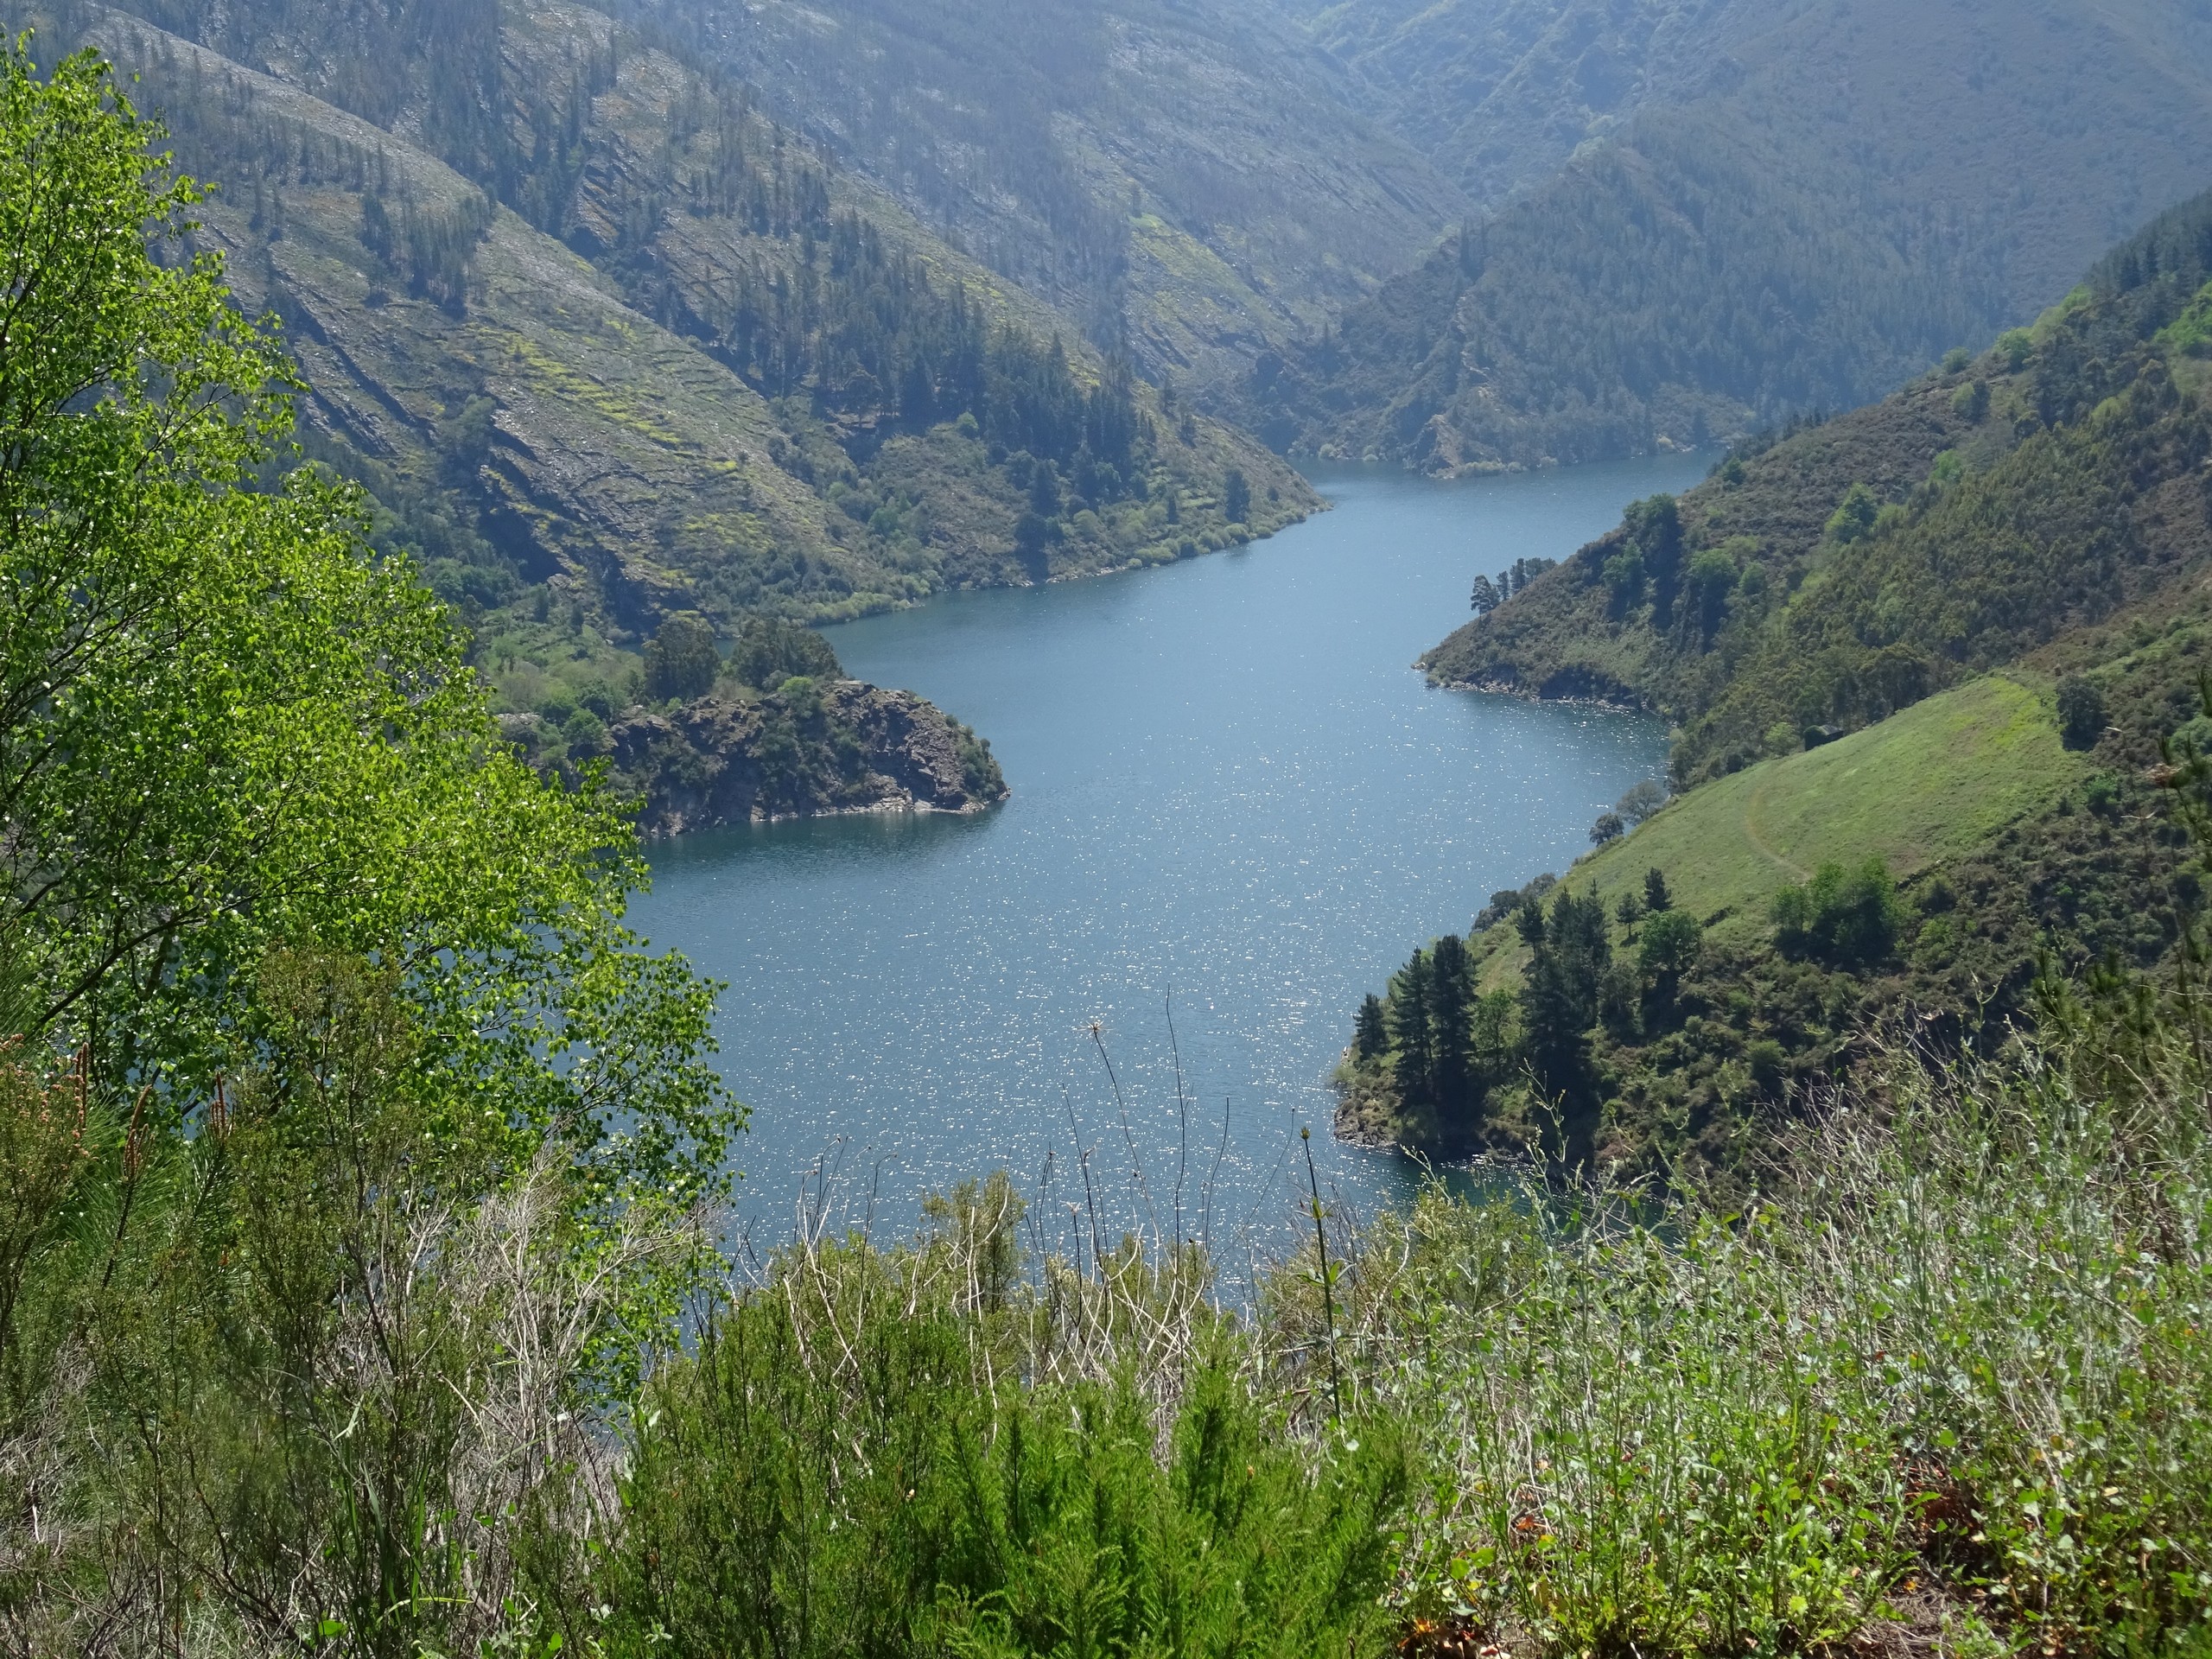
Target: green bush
column 681, row 661
column 1849, row 918
column 768, row 653
column 2191, row 333
column 1041, row 1526
column 861, row 1485
column 1711, row 577
column 1854, row 516
column 585, row 733
column 2082, row 712
column 1671, row 942
column 1236, row 496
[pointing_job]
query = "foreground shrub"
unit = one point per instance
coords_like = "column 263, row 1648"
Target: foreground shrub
column 1957, row 1368
column 811, row 1484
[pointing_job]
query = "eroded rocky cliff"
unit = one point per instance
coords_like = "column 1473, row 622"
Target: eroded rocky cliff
column 808, row 749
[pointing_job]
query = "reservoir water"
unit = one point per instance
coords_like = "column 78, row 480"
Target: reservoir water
column 1229, row 786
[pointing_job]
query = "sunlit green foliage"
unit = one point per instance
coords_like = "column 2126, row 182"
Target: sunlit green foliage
column 769, row 652
column 881, row 1497
column 1947, row 1377
column 1852, row 917
column 682, row 662
column 226, row 726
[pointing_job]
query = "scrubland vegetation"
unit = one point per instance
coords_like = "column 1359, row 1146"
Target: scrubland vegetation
column 360, row 1282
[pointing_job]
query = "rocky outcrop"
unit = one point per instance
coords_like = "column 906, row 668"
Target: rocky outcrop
column 805, row 751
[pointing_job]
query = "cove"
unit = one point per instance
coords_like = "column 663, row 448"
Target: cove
column 1228, row 784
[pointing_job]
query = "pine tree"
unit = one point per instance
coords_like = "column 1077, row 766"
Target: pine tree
column 1452, row 1083
column 1410, row 998
column 1571, row 953
column 1371, row 1038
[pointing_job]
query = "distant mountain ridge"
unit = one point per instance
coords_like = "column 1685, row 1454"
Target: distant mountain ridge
column 1191, row 179
column 1770, row 209
column 1500, row 93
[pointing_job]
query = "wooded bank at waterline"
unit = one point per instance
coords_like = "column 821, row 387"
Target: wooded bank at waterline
column 358, row 1282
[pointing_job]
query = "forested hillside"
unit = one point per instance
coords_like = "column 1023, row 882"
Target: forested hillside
column 1927, row 662
column 608, row 345
column 1498, row 94
column 1804, row 206
column 1680, row 220
column 1191, row 181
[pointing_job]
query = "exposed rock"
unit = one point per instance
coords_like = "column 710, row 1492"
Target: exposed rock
column 804, row 752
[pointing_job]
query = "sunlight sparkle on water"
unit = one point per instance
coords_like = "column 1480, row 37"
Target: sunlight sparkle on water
column 1228, row 781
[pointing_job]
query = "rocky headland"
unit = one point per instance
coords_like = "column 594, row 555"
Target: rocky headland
column 802, row 751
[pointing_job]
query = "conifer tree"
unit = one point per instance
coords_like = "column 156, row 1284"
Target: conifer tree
column 1450, row 988
column 1371, row 1038
column 1411, row 1001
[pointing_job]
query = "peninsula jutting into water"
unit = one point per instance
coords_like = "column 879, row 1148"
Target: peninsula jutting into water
column 1227, row 781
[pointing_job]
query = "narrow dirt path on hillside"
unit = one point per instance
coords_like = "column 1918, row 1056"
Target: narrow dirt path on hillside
column 1751, row 835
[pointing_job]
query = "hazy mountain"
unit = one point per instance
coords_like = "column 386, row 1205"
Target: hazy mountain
column 1765, row 208
column 1498, row 94
column 1191, row 177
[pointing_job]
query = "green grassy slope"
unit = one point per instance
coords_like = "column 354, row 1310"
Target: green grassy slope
column 2005, row 846
column 1930, row 787
column 1772, row 209
column 1932, row 783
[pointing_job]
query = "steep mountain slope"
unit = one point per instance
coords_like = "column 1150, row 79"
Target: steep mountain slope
column 1854, row 567
column 635, row 339
column 1498, row 94
column 1928, row 661
column 1802, row 205
column 1189, row 178
column 625, row 366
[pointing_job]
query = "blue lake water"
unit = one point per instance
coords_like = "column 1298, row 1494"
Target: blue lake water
column 1229, row 784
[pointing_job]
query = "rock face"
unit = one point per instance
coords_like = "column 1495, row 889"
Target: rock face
column 805, row 751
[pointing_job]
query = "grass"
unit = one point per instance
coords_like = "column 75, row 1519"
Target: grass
column 1941, row 1388
column 937, row 1448
column 1935, row 782
column 1942, row 1391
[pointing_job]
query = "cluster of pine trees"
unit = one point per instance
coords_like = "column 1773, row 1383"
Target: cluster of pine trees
column 1448, row 1045
column 1488, row 594
column 863, row 328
